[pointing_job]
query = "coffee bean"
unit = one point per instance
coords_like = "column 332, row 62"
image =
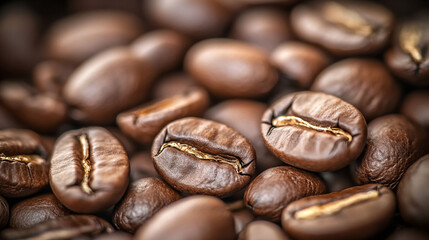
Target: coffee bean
column 230, row 68
column 144, row 123
column 337, row 180
column 114, row 236
column 192, row 218
column 89, row 170
column 344, row 28
column 242, row 217
column 128, row 144
column 144, row 198
column 416, row 107
column 4, row 212
column 35, row 210
column 141, row 166
column 199, row 156
column 394, row 143
column 259, row 230
column 314, row 131
column 23, row 164
column 354, row 213
column 50, row 76
column 172, row 84
column 364, row 83
column 413, row 194
column 271, row 191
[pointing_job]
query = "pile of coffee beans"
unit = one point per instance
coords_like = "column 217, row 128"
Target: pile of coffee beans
column 214, row 119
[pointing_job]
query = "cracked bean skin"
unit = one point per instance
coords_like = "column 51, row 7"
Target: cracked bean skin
column 271, row 191
column 314, row 131
column 353, row 213
column 198, row 156
column 97, row 185
column 23, row 164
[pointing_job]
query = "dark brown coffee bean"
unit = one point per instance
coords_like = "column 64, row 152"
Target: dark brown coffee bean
column 230, row 68
column 314, row 131
column 245, row 117
column 242, row 217
column 408, row 58
column 163, row 49
column 199, row 156
column 195, row 18
column 38, row 111
column 50, row 76
column 344, row 28
column 66, row 227
column 192, row 218
column 6, row 120
column 413, row 194
column 35, row 210
column 89, row 170
column 78, row 37
column 107, row 84
column 259, row 230
column 23, row 164
column 143, row 123
column 263, row 27
column 364, row 83
column 394, row 143
column 141, row 166
column 416, row 107
column 144, row 198
column 338, row 180
column 299, row 62
column 4, row 212
column 271, row 191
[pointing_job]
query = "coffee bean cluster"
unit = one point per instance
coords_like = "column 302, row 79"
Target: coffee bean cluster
column 214, row 119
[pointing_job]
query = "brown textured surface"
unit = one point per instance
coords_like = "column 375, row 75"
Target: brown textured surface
column 4, row 212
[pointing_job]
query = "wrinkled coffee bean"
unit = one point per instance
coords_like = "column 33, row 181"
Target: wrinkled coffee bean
column 172, row 84
column 89, row 170
column 415, row 106
column 199, row 156
column 314, row 131
column 354, row 213
column 259, row 230
column 271, row 191
column 141, row 166
column 4, row 212
column 50, row 76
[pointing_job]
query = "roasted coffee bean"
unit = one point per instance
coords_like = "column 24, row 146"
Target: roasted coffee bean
column 163, row 49
column 38, row 111
column 416, row 107
column 195, row 18
column 364, row 83
column 263, row 27
column 144, row 198
column 413, row 194
column 314, row 131
column 337, row 180
column 78, row 37
column 393, row 144
column 299, row 62
column 143, row 123
column 242, row 217
column 354, row 213
column 408, row 58
column 260, row 230
column 89, row 170
column 172, row 84
column 35, row 210
column 141, row 166
column 129, row 145
column 50, row 76
column 4, row 212
column 66, row 227
column 249, row 114
column 271, row 191
column 230, row 68
column 344, row 28
column 23, row 164
column 192, row 218
column 107, row 84
column 199, row 156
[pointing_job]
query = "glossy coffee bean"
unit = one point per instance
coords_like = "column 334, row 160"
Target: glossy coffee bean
column 66, row 227
column 299, row 62
column 413, row 194
column 230, row 68
column 259, row 230
column 265, row 28
column 23, row 163
column 199, row 156
column 4, row 212
column 362, row 82
column 50, row 76
column 394, row 143
column 415, row 106
column 141, row 166
column 271, row 191
column 314, row 131
column 144, row 122
column 36, row 110
column 106, row 84
column 192, row 218
column 78, row 37
column 89, row 170
column 344, row 28
column 35, row 210
column 354, row 213
column 172, row 84
column 144, row 198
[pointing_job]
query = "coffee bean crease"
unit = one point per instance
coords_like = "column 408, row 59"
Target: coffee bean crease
column 22, row 158
column 409, row 39
column 86, row 164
